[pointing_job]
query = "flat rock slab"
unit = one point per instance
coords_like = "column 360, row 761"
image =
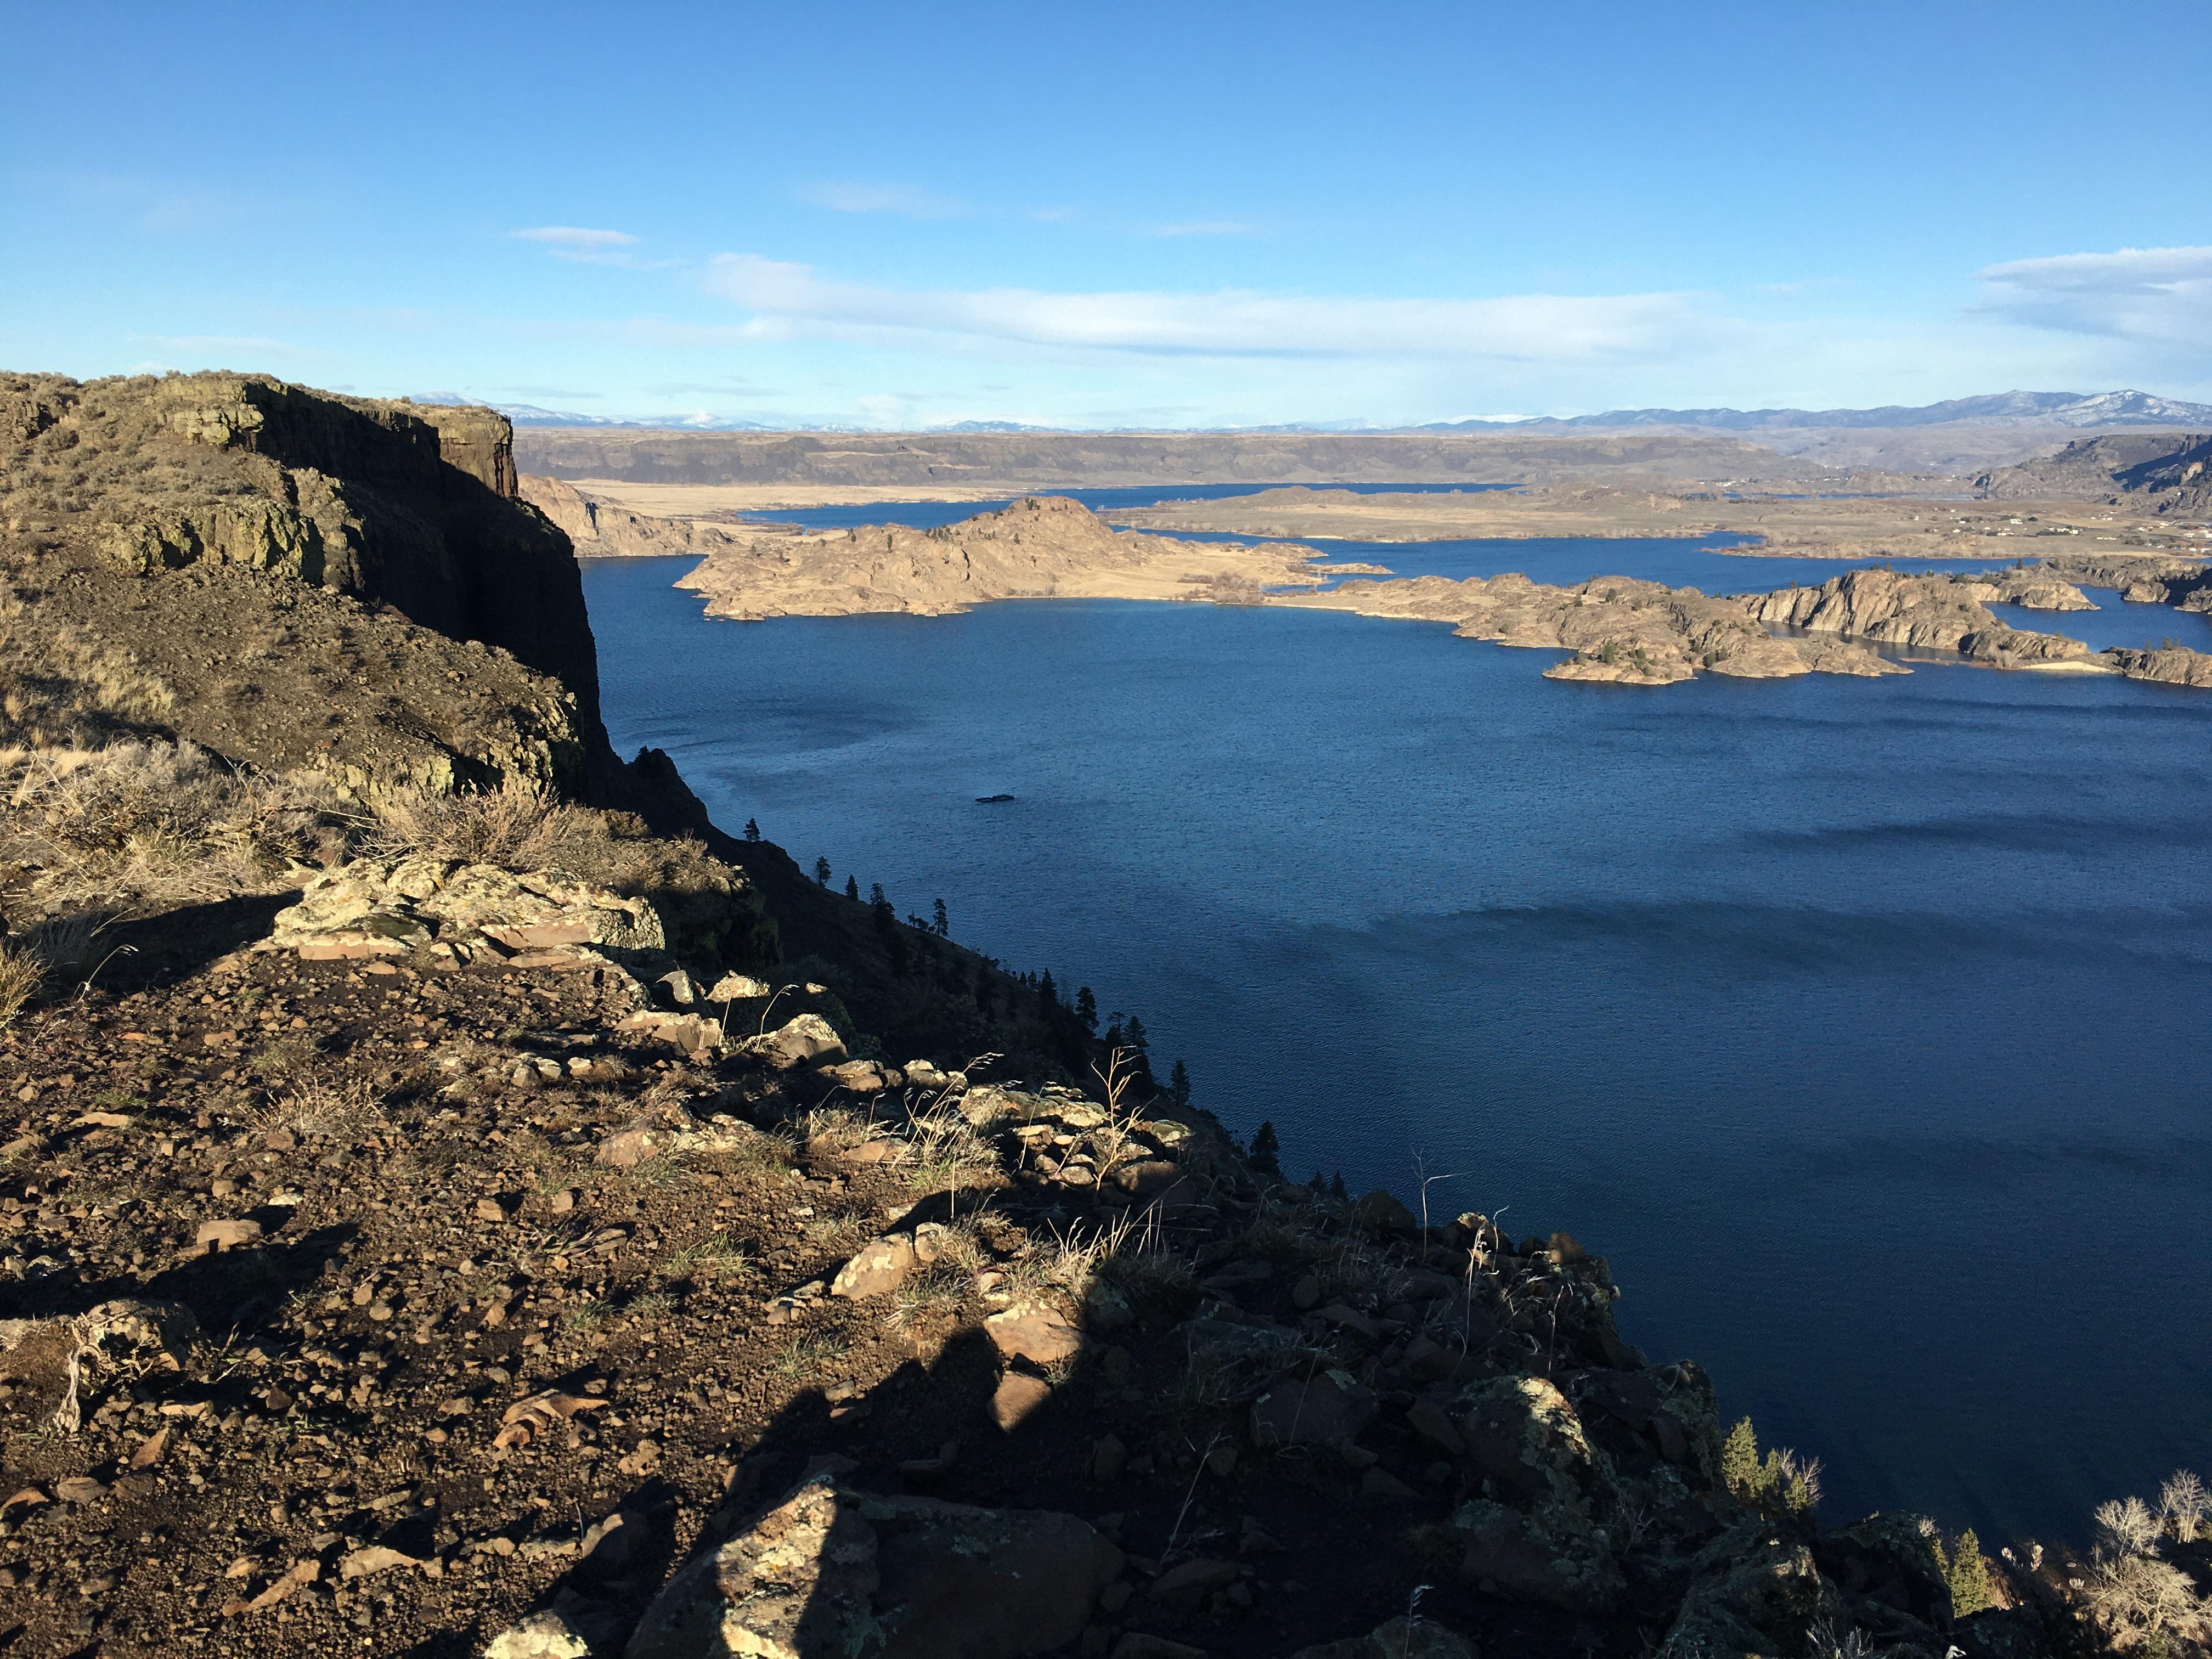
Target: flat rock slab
column 830, row 1570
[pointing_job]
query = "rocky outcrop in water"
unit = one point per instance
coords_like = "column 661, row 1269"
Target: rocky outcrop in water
column 1629, row 632
column 1924, row 613
column 2141, row 578
column 1040, row 547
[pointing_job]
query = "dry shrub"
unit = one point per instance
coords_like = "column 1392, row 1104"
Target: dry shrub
column 138, row 828
column 512, row 826
column 2137, row 1600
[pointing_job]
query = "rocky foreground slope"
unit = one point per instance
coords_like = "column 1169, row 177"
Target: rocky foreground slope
column 452, row 1221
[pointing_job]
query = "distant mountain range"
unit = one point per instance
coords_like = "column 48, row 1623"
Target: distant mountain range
column 2075, row 409
column 2084, row 409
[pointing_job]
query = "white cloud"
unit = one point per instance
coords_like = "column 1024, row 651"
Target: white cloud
column 847, row 196
column 2149, row 296
column 1205, row 228
column 787, row 300
column 575, row 239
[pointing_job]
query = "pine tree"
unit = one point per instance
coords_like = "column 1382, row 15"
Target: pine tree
column 1337, row 1189
column 1086, row 1008
column 888, row 929
column 1266, row 1154
column 852, row 887
column 1048, row 994
column 1317, row 1185
column 1179, row 1084
column 752, row 829
column 1136, row 1035
column 940, row 923
column 1740, row 1467
column 1968, row 1575
column 822, row 871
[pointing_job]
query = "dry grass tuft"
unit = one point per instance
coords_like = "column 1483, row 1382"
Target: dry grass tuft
column 948, row 1152
column 512, row 826
column 23, row 975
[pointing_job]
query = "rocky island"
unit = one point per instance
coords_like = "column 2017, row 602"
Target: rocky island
column 455, row 1201
column 1040, row 547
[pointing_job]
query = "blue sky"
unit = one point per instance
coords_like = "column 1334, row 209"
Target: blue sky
column 1114, row 215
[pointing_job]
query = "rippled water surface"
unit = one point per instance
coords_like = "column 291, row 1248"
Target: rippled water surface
column 1861, row 1023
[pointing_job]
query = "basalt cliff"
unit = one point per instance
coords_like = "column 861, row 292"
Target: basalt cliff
column 447, row 1211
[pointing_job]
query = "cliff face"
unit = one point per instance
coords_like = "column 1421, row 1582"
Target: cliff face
column 235, row 560
column 601, row 528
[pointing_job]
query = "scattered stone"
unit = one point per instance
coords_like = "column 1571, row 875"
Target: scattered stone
column 630, row 1147
column 226, row 1235
column 1034, row 1331
column 374, row 1558
column 1427, row 1419
column 1379, row 1485
column 877, row 1270
column 1108, row 1459
column 1017, row 1396
column 1185, row 1587
column 1328, row 1409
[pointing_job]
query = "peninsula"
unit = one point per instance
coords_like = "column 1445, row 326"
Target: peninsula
column 1039, row 548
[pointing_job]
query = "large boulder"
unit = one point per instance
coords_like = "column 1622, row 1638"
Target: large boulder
column 807, row 1039
column 834, row 1572
column 1523, row 1438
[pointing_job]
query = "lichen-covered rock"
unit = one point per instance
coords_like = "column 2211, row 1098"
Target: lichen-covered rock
column 802, row 1041
column 1758, row 1595
column 834, row 1571
column 541, row 1635
column 876, row 1269
column 373, row 908
column 1524, row 1439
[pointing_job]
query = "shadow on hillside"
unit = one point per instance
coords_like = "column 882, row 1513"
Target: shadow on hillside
column 157, row 950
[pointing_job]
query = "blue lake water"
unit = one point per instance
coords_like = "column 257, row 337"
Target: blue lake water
column 927, row 516
column 1860, row 1023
